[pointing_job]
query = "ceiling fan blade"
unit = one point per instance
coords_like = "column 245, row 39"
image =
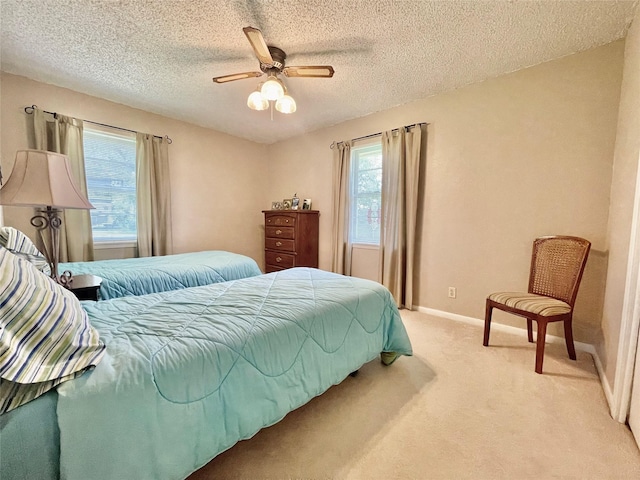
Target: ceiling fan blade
column 236, row 76
column 258, row 44
column 318, row 71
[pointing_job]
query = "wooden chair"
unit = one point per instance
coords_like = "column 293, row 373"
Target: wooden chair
column 557, row 264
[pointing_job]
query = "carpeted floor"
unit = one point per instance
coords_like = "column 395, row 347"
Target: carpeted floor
column 454, row 410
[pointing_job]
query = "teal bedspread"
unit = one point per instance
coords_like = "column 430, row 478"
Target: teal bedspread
column 30, row 441
column 139, row 276
column 189, row 373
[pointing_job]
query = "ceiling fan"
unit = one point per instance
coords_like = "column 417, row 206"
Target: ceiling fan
column 272, row 63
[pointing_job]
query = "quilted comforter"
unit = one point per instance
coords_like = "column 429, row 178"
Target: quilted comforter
column 139, row 276
column 189, row 373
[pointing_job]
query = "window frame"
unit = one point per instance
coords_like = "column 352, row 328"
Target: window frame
column 353, row 194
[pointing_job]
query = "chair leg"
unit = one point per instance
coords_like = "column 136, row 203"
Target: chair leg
column 542, row 334
column 568, row 338
column 530, row 330
column 487, row 324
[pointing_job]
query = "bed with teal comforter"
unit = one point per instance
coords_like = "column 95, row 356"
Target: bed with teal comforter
column 189, row 373
column 139, row 276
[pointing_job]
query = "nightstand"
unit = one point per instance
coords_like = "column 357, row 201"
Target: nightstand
column 86, row 287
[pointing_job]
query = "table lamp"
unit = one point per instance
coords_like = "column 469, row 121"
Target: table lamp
column 44, row 180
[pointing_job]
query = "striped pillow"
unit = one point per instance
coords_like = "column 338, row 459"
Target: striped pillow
column 45, row 335
column 19, row 244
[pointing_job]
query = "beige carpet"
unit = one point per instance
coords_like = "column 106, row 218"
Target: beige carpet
column 454, row 410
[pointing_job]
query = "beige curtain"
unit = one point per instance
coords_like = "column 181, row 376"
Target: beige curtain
column 153, row 196
column 401, row 152
column 63, row 134
column 340, row 244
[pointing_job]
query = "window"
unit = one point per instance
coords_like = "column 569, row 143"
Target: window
column 366, row 174
column 110, row 165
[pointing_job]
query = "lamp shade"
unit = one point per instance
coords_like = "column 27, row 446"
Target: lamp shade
column 286, row 104
column 272, row 89
column 42, row 179
column 257, row 102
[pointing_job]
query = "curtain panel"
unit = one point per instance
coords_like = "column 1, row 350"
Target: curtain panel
column 340, row 244
column 153, row 192
column 401, row 153
column 62, row 134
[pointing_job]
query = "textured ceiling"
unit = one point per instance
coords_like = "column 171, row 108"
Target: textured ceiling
column 160, row 55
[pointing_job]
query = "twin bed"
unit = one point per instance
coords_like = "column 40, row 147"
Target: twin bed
column 139, row 276
column 188, row 373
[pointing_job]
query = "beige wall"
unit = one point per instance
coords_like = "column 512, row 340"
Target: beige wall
column 509, row 159
column 215, row 202
column 512, row 158
column 623, row 185
column 2, row 164
column 365, row 260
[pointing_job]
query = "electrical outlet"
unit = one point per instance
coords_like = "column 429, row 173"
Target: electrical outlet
column 452, row 292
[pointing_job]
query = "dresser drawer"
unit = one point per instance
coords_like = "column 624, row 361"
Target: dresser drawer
column 279, row 244
column 273, row 268
column 283, row 219
column 279, row 232
column 282, row 260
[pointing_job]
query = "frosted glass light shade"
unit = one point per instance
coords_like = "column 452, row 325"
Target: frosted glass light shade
column 286, row 104
column 257, row 102
column 272, row 89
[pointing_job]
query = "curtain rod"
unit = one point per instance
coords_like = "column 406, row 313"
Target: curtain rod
column 29, row 111
column 334, row 144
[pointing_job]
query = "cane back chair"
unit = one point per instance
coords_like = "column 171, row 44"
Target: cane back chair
column 557, row 264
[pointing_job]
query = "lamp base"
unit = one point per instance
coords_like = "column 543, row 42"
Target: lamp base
column 64, row 279
column 48, row 222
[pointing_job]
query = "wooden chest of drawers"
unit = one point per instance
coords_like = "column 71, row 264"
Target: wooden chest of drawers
column 290, row 239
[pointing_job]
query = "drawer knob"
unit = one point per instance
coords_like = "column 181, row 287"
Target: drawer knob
column 278, row 259
column 286, row 221
column 278, row 244
column 278, row 232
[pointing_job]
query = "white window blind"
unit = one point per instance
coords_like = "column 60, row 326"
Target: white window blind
column 110, row 164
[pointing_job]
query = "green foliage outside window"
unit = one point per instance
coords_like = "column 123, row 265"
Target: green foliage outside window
column 366, row 164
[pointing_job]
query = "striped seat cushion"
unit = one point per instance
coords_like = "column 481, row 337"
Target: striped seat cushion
column 530, row 302
column 45, row 335
column 19, row 244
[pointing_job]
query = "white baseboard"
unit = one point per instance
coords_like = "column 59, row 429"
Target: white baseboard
column 522, row 332
column 608, row 393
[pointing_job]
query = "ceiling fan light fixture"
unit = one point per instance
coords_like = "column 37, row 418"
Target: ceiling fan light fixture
column 272, row 89
column 257, row 102
column 273, row 92
column 286, row 104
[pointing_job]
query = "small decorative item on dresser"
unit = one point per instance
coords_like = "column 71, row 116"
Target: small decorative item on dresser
column 276, row 205
column 286, row 204
column 306, row 204
column 295, row 203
